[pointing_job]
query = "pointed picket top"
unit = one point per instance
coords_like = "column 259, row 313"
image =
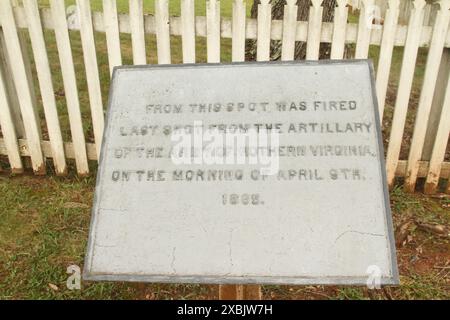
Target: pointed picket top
column 419, row 4
column 161, row 3
column 316, row 3
column 341, row 6
column 444, row 5
column 264, row 2
column 341, row 3
column 212, row 5
column 393, row 4
column 291, row 3
column 367, row 4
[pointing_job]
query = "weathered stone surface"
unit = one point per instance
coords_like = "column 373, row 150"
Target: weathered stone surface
column 321, row 217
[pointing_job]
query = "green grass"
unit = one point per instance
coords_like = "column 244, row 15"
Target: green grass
column 44, row 229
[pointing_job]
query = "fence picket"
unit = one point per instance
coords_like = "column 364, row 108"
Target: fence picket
column 440, row 144
column 386, row 49
column 263, row 33
column 426, row 94
column 289, row 30
column 404, row 88
column 339, row 29
column 8, row 130
column 91, row 66
column 5, row 66
column 238, row 31
column 364, row 29
column 22, row 34
column 70, row 85
column 45, row 84
column 314, row 30
column 23, row 86
column 111, row 22
column 137, row 31
column 188, row 30
column 162, row 31
column 213, row 30
column 437, row 105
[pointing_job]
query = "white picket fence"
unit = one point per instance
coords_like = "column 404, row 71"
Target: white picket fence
column 21, row 127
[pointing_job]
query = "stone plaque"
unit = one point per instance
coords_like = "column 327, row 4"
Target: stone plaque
column 242, row 173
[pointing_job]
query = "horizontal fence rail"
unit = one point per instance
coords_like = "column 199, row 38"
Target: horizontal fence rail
column 23, row 27
column 200, row 23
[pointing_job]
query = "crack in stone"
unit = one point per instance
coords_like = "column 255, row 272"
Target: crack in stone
column 358, row 232
column 106, row 245
column 230, row 250
column 172, row 263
